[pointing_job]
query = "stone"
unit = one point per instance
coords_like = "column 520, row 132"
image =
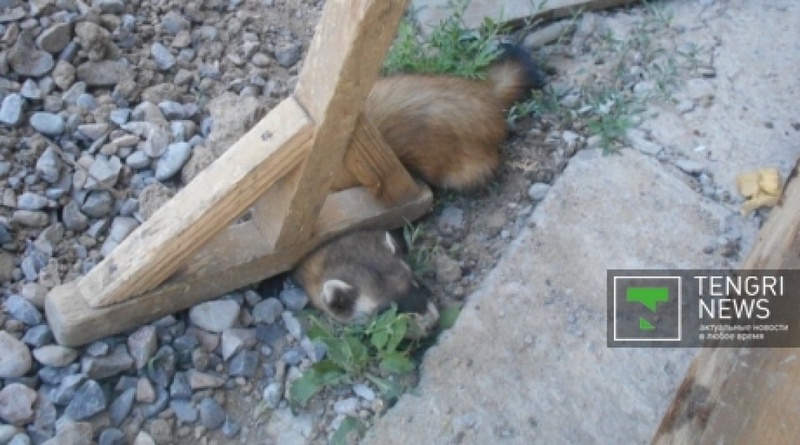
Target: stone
column 98, row 204
column 267, row 311
column 50, row 124
column 538, row 191
column 31, row 201
column 689, row 166
column 163, row 58
column 73, row 218
column 28, row 61
column 294, row 298
column 447, row 269
column 56, row 356
column 16, row 404
column 450, row 220
column 30, row 218
column 15, row 361
column 48, row 166
column 288, row 54
column 215, row 316
column 112, row 364
column 103, row 173
column 105, row 73
column 138, row 160
column 184, row 410
column 112, row 436
column 142, row 344
column 173, row 160
column 11, row 110
column 121, row 407
column 212, row 415
column 23, row 310
column 63, row 75
column 88, row 401
column 55, row 38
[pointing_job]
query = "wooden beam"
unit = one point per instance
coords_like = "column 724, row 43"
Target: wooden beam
column 343, row 63
column 371, row 162
column 227, row 263
column 204, row 207
column 745, row 395
column 432, row 12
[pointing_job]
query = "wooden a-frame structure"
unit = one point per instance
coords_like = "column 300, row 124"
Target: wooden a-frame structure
column 279, row 173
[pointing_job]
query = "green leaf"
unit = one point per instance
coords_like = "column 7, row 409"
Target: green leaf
column 398, row 332
column 389, row 389
column 379, row 339
column 358, row 351
column 396, row 363
column 305, row 387
column 318, row 330
column 448, row 317
column 349, row 432
column 339, row 352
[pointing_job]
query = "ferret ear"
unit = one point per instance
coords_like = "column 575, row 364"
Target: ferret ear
column 391, row 243
column 338, row 295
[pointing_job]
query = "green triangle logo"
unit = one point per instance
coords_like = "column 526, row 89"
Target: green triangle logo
column 645, row 325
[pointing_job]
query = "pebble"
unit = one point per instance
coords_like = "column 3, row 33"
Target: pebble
column 138, row 160
column 23, row 310
column 98, row 204
column 121, row 227
column 447, row 269
column 15, row 361
column 346, row 406
column 173, row 160
column 293, row 325
column 31, row 218
column 16, row 404
column 288, row 54
column 364, row 392
column 184, row 410
column 638, row 141
column 103, row 173
column 11, row 110
column 26, row 60
column 450, row 220
column 121, row 406
column 56, row 356
column 105, row 366
column 105, row 73
column 538, row 191
column 212, row 416
column 267, row 311
column 215, row 316
column 55, row 38
column 294, row 298
column 31, row 201
column 143, row 343
column 47, row 123
column 163, row 58
column 48, row 166
column 112, row 436
column 273, row 394
column 72, row 217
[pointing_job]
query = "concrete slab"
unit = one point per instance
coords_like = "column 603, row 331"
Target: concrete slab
column 527, row 360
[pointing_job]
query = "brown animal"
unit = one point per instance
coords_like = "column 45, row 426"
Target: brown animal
column 446, row 130
column 360, row 273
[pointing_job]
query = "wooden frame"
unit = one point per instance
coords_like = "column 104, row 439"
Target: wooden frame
column 281, row 171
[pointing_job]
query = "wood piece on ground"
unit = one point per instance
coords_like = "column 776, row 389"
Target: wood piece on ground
column 745, row 395
column 214, row 272
column 434, row 11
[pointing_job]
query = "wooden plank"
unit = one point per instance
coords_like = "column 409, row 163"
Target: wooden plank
column 741, row 395
column 343, row 63
column 228, row 263
column 203, row 208
column 370, row 162
column 431, row 12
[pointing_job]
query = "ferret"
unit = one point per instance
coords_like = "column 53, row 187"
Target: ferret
column 358, row 274
column 446, row 130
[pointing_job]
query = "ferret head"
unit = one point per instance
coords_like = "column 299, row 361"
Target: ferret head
column 366, row 274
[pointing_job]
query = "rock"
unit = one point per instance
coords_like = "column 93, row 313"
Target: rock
column 31, row 91
column 121, row 407
column 120, row 116
column 157, row 143
column 63, row 75
column 212, row 415
column 201, row 157
column 138, row 160
column 112, row 436
column 88, row 401
column 538, row 191
column 103, row 173
column 294, row 298
column 267, row 311
column 26, row 60
column 230, row 428
column 172, row 110
column 31, row 218
column 236, row 339
column 173, row 160
column 31, row 201
column 152, row 198
column 38, row 336
column 162, row 368
column 112, row 364
column 143, row 438
column 174, row 22
column 202, row 380
column 56, row 356
column 180, row 388
column 215, row 316
column 273, row 394
column 450, row 220
column 7, row 432
column 93, row 132
column 110, row 6
column 6, row 266
column 346, row 406
column 145, row 392
column 11, row 110
column 105, row 73
column 73, row 218
column 638, row 141
column 23, row 310
column 16, row 404
column 288, row 54
column 48, row 166
column 447, row 269
column 47, row 123
column 98, row 203
column 364, row 392
column 184, row 410
column 292, row 325
column 163, row 58
column 55, row 38
column 142, row 344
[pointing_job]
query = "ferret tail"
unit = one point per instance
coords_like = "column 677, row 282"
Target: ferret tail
column 514, row 74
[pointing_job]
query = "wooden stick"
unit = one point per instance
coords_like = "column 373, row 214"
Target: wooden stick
column 343, row 63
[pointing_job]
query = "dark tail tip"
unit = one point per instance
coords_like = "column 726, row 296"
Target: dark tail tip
column 534, row 76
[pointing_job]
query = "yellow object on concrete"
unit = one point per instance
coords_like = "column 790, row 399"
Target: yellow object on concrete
column 761, row 187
